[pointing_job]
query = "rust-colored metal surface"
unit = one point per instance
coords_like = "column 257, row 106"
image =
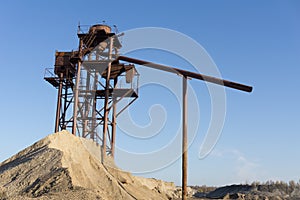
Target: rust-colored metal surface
column 117, row 69
column 189, row 74
column 88, row 80
column 184, row 138
column 88, row 88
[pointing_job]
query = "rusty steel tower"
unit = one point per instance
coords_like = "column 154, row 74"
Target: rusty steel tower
column 90, row 83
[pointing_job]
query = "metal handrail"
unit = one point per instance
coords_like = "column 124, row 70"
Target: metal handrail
column 49, row 72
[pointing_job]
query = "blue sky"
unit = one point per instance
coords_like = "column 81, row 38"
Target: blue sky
column 253, row 42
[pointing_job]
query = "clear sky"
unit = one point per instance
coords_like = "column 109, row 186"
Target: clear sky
column 253, row 42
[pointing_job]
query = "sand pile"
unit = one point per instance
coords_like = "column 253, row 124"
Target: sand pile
column 62, row 166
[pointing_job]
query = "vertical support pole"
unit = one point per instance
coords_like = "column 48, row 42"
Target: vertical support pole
column 59, row 96
column 94, row 112
column 105, row 124
column 86, row 108
column 65, row 97
column 114, row 122
column 114, row 115
column 76, row 88
column 184, row 138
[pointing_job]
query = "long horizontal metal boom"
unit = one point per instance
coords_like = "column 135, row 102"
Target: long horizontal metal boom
column 185, row 73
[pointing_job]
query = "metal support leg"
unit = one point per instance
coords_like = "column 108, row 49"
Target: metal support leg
column 76, row 90
column 58, row 108
column 94, row 112
column 105, row 124
column 86, row 107
column 114, row 122
column 184, row 139
column 64, row 113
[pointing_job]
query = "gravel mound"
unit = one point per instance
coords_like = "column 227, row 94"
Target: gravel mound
column 62, row 166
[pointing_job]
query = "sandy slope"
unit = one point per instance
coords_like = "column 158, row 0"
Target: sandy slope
column 62, row 166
